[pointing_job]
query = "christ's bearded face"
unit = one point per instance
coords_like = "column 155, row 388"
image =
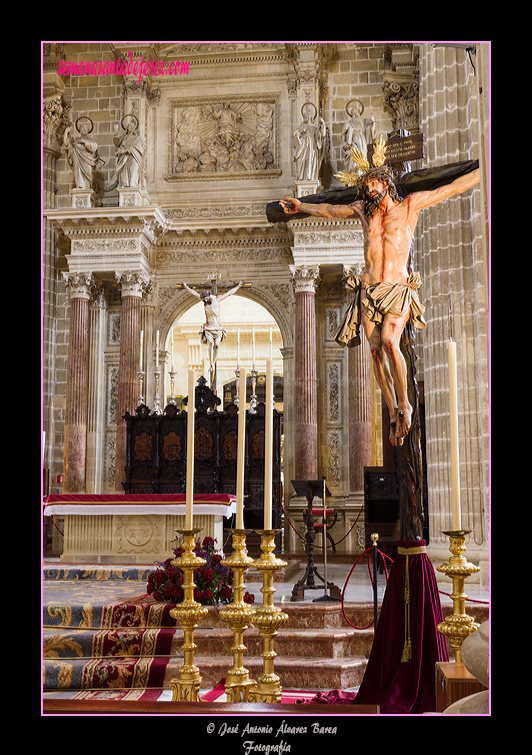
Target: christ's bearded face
column 375, row 190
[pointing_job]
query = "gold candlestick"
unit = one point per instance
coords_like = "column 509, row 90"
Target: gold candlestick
column 268, row 618
column 188, row 613
column 459, row 625
column 237, row 615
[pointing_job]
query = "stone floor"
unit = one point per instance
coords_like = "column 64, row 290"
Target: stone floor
column 359, row 587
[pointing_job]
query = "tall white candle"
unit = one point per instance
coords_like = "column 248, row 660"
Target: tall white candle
column 172, row 350
column 238, row 348
column 253, row 346
column 455, row 459
column 141, row 348
column 268, row 451
column 271, row 345
column 157, row 352
column 241, row 451
column 191, row 406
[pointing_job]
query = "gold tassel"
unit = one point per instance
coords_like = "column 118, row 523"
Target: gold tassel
column 407, row 649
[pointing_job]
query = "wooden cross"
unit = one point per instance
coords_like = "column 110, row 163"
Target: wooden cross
column 213, row 280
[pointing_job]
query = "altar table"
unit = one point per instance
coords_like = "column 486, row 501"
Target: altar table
column 133, row 529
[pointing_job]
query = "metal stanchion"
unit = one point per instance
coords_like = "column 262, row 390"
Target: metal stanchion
column 374, row 538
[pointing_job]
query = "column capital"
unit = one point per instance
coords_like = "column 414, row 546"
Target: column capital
column 134, row 283
column 351, row 270
column 305, row 280
column 55, row 119
column 80, row 285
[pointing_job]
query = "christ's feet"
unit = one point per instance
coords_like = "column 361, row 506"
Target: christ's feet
column 400, row 425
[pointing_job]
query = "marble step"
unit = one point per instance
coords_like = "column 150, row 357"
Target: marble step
column 331, row 643
column 313, row 643
column 294, row 673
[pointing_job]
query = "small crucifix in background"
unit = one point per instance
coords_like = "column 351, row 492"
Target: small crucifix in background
column 212, row 331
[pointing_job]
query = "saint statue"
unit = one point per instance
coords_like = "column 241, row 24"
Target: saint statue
column 82, row 153
column 129, row 151
column 386, row 295
column 357, row 133
column 308, row 141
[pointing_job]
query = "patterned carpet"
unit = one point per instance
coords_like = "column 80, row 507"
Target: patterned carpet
column 105, row 638
column 101, row 631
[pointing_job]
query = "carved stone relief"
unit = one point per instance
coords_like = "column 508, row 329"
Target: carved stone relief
column 223, row 138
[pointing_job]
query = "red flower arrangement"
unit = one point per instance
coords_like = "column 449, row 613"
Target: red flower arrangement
column 213, row 580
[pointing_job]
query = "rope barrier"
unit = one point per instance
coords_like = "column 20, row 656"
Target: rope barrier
column 55, row 525
column 300, row 536
column 370, row 550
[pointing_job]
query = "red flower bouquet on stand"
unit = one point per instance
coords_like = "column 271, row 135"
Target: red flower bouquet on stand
column 213, row 580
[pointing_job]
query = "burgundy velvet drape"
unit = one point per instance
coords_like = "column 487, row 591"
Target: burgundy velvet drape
column 406, row 687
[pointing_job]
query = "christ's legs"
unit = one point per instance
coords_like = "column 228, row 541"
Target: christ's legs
column 392, row 328
column 390, row 372
column 383, row 375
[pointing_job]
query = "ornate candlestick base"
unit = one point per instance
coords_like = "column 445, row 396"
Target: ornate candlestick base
column 188, row 613
column 237, row 615
column 459, row 625
column 268, row 618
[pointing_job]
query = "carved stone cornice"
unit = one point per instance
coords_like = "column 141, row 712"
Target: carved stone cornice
column 110, row 239
column 321, row 241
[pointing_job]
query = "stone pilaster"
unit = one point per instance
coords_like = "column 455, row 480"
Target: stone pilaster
column 81, row 288
column 55, row 119
column 305, row 279
column 133, row 286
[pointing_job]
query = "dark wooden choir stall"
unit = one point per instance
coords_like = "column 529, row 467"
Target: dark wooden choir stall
column 157, row 455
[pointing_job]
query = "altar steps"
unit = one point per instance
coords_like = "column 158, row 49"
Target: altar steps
column 306, row 658
column 94, row 648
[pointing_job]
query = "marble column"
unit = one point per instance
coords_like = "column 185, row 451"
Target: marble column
column 81, row 287
column 305, row 279
column 133, row 285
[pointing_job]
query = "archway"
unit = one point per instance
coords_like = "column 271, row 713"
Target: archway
column 252, row 336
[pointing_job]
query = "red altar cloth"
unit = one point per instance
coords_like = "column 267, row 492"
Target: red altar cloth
column 119, row 503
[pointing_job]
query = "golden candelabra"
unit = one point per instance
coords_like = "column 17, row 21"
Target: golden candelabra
column 188, row 613
column 237, row 615
column 268, row 618
column 459, row 625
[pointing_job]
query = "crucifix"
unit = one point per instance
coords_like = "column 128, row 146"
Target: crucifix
column 212, row 332
column 387, row 201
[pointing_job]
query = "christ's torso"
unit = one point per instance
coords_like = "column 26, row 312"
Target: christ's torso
column 389, row 237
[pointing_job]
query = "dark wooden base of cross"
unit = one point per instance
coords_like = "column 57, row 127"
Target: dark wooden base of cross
column 310, row 489
column 409, row 463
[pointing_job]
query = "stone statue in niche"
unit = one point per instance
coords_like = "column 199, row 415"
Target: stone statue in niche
column 357, row 133
column 129, row 152
column 308, row 142
column 82, row 153
column 223, row 138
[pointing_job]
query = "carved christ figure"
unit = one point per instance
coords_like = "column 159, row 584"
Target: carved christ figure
column 213, row 332
column 386, row 293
